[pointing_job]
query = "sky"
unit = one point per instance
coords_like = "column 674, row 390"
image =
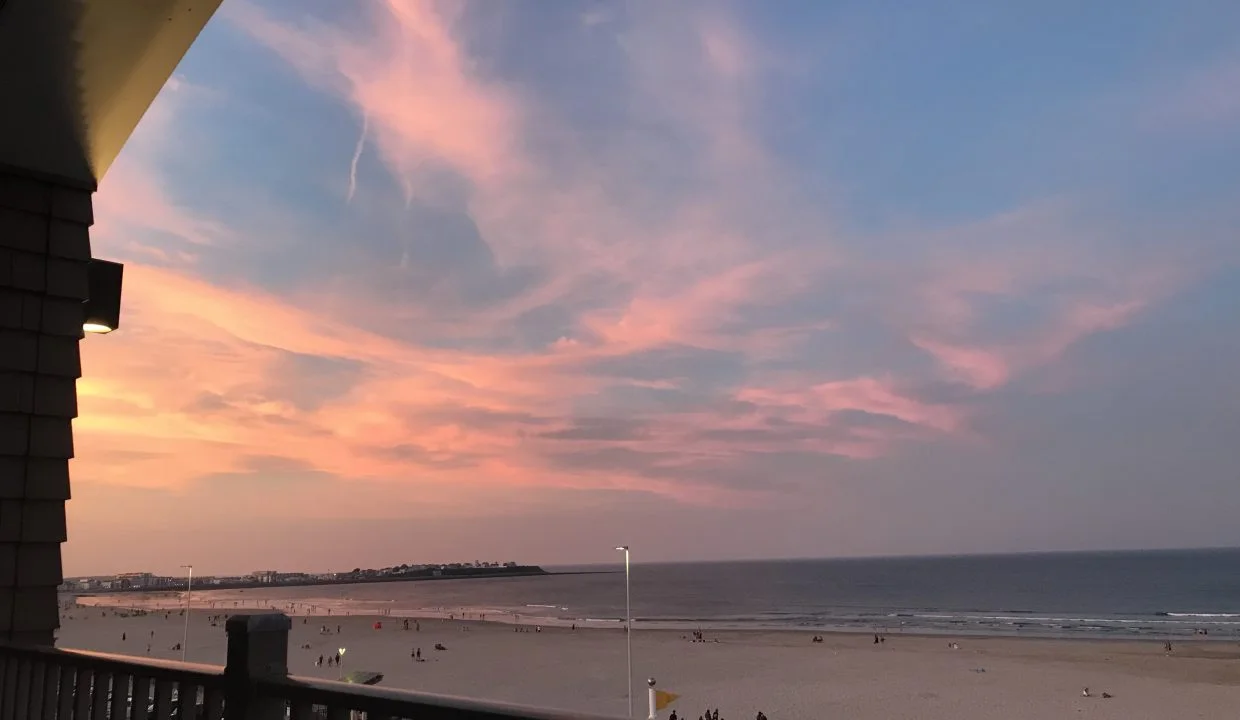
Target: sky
column 422, row 282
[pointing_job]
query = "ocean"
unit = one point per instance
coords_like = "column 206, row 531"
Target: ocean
column 1116, row 594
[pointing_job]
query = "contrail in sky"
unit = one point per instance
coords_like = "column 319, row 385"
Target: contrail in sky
column 357, row 155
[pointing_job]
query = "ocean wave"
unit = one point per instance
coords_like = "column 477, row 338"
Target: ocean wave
column 1081, row 620
column 1200, row 615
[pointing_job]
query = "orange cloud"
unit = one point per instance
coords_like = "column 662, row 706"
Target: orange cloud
column 206, row 378
column 670, row 299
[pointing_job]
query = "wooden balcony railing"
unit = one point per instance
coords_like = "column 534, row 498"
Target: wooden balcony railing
column 38, row 683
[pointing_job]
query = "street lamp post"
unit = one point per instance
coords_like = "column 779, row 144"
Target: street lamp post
column 189, row 589
column 628, row 624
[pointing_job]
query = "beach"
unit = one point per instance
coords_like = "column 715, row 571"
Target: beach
column 782, row 673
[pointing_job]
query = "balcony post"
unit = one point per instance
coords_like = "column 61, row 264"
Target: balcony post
column 257, row 650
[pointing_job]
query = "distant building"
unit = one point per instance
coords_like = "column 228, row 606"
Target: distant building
column 265, row 576
column 136, row 581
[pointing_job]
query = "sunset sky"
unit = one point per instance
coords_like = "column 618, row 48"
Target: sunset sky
column 412, row 282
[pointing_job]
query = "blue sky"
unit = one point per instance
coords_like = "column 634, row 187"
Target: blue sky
column 526, row 278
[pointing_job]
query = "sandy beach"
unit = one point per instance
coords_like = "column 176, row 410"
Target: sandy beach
column 780, row 673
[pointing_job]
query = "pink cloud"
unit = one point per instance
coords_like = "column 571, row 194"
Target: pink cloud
column 412, row 84
column 979, row 367
column 133, row 200
column 987, row 366
column 1043, row 258
column 198, row 384
column 192, row 390
column 821, row 404
column 409, row 77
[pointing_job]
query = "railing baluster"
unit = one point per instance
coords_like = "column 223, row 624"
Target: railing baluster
column 213, row 704
column 300, row 710
column 4, row 671
column 84, row 694
column 120, row 696
column 141, row 698
column 8, row 683
column 51, row 691
column 25, row 673
column 187, row 701
column 103, row 686
column 163, row 700
column 34, row 701
column 64, row 696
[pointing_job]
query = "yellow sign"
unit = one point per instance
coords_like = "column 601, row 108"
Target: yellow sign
column 662, row 699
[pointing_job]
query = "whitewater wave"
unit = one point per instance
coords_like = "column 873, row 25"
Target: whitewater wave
column 1078, row 620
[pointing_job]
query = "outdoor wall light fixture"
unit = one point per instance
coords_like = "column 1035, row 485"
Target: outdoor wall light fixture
column 103, row 308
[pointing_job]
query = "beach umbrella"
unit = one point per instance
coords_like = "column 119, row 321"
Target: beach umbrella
column 362, row 677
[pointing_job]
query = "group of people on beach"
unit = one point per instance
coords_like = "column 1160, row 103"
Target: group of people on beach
column 332, row 660
column 713, row 715
column 174, row 648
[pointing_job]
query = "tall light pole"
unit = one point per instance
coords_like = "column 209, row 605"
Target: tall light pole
column 628, row 623
column 189, row 589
